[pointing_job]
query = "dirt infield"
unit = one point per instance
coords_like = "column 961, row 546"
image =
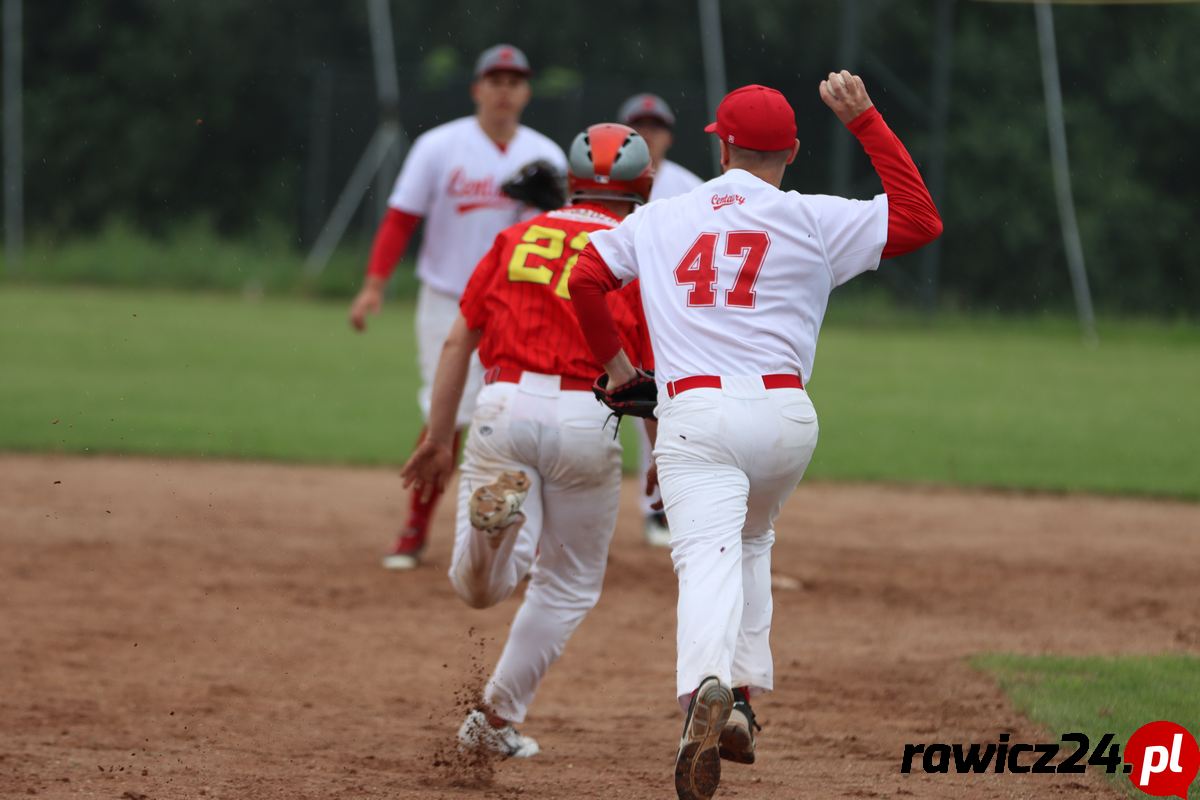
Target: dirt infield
column 207, row 629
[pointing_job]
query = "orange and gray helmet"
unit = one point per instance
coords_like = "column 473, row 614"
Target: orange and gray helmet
column 609, row 162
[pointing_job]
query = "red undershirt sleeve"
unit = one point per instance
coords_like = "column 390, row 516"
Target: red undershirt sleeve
column 590, row 280
column 913, row 219
column 390, row 242
column 640, row 335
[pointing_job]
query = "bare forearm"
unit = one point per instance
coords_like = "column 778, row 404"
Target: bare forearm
column 449, row 381
column 620, row 370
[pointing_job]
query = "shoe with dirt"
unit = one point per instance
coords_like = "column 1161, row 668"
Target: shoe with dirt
column 478, row 735
column 406, row 553
column 656, row 532
column 698, row 762
column 497, row 505
column 737, row 737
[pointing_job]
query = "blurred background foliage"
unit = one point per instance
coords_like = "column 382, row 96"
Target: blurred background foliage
column 227, row 128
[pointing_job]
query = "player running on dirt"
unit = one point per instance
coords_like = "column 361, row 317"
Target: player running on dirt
column 735, row 277
column 541, row 473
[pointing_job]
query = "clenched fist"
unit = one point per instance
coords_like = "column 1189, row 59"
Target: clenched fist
column 845, row 94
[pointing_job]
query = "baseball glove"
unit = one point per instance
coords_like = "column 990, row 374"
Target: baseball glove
column 635, row 398
column 538, row 184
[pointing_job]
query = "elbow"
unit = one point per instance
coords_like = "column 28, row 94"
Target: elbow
column 912, row 231
column 462, row 338
column 926, row 225
column 934, row 228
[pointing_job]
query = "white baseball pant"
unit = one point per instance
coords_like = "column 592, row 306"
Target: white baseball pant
column 436, row 313
column 560, row 441
column 727, row 460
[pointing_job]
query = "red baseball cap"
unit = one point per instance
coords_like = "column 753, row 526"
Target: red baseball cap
column 756, row 118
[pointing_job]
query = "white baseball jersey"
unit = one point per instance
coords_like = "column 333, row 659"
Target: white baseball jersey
column 736, row 274
column 452, row 178
column 670, row 180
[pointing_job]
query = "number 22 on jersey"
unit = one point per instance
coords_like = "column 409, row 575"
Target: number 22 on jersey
column 552, row 249
column 698, row 267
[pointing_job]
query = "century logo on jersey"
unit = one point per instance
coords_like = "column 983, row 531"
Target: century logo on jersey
column 719, row 201
column 476, row 192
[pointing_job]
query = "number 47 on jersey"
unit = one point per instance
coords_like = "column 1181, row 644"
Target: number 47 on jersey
column 698, row 267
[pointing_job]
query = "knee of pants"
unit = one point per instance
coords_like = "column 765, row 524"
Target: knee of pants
column 570, row 602
column 693, row 545
column 757, row 540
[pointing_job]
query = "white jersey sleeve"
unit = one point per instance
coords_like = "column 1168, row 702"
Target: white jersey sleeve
column 853, row 233
column 617, row 246
column 419, row 180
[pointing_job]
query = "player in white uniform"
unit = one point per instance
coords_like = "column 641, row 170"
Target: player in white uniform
column 735, row 277
column 451, row 178
column 653, row 119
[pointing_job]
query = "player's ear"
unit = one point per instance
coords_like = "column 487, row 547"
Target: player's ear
column 475, row 90
column 724, row 154
column 795, row 150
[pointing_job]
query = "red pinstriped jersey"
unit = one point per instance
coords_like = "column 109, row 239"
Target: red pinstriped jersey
column 517, row 296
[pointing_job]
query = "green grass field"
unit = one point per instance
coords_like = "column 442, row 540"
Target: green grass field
column 1101, row 695
column 993, row 402
column 987, row 403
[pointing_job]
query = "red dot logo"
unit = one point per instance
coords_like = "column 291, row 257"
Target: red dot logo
column 1164, row 759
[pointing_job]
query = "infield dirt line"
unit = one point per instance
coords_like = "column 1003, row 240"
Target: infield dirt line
column 222, row 629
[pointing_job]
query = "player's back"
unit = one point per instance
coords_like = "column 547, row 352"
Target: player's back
column 736, row 274
column 518, row 296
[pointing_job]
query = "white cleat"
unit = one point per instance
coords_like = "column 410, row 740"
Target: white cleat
column 477, row 734
column 400, row 561
column 656, row 532
column 496, row 506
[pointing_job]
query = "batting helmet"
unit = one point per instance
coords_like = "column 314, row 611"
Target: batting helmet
column 609, row 162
